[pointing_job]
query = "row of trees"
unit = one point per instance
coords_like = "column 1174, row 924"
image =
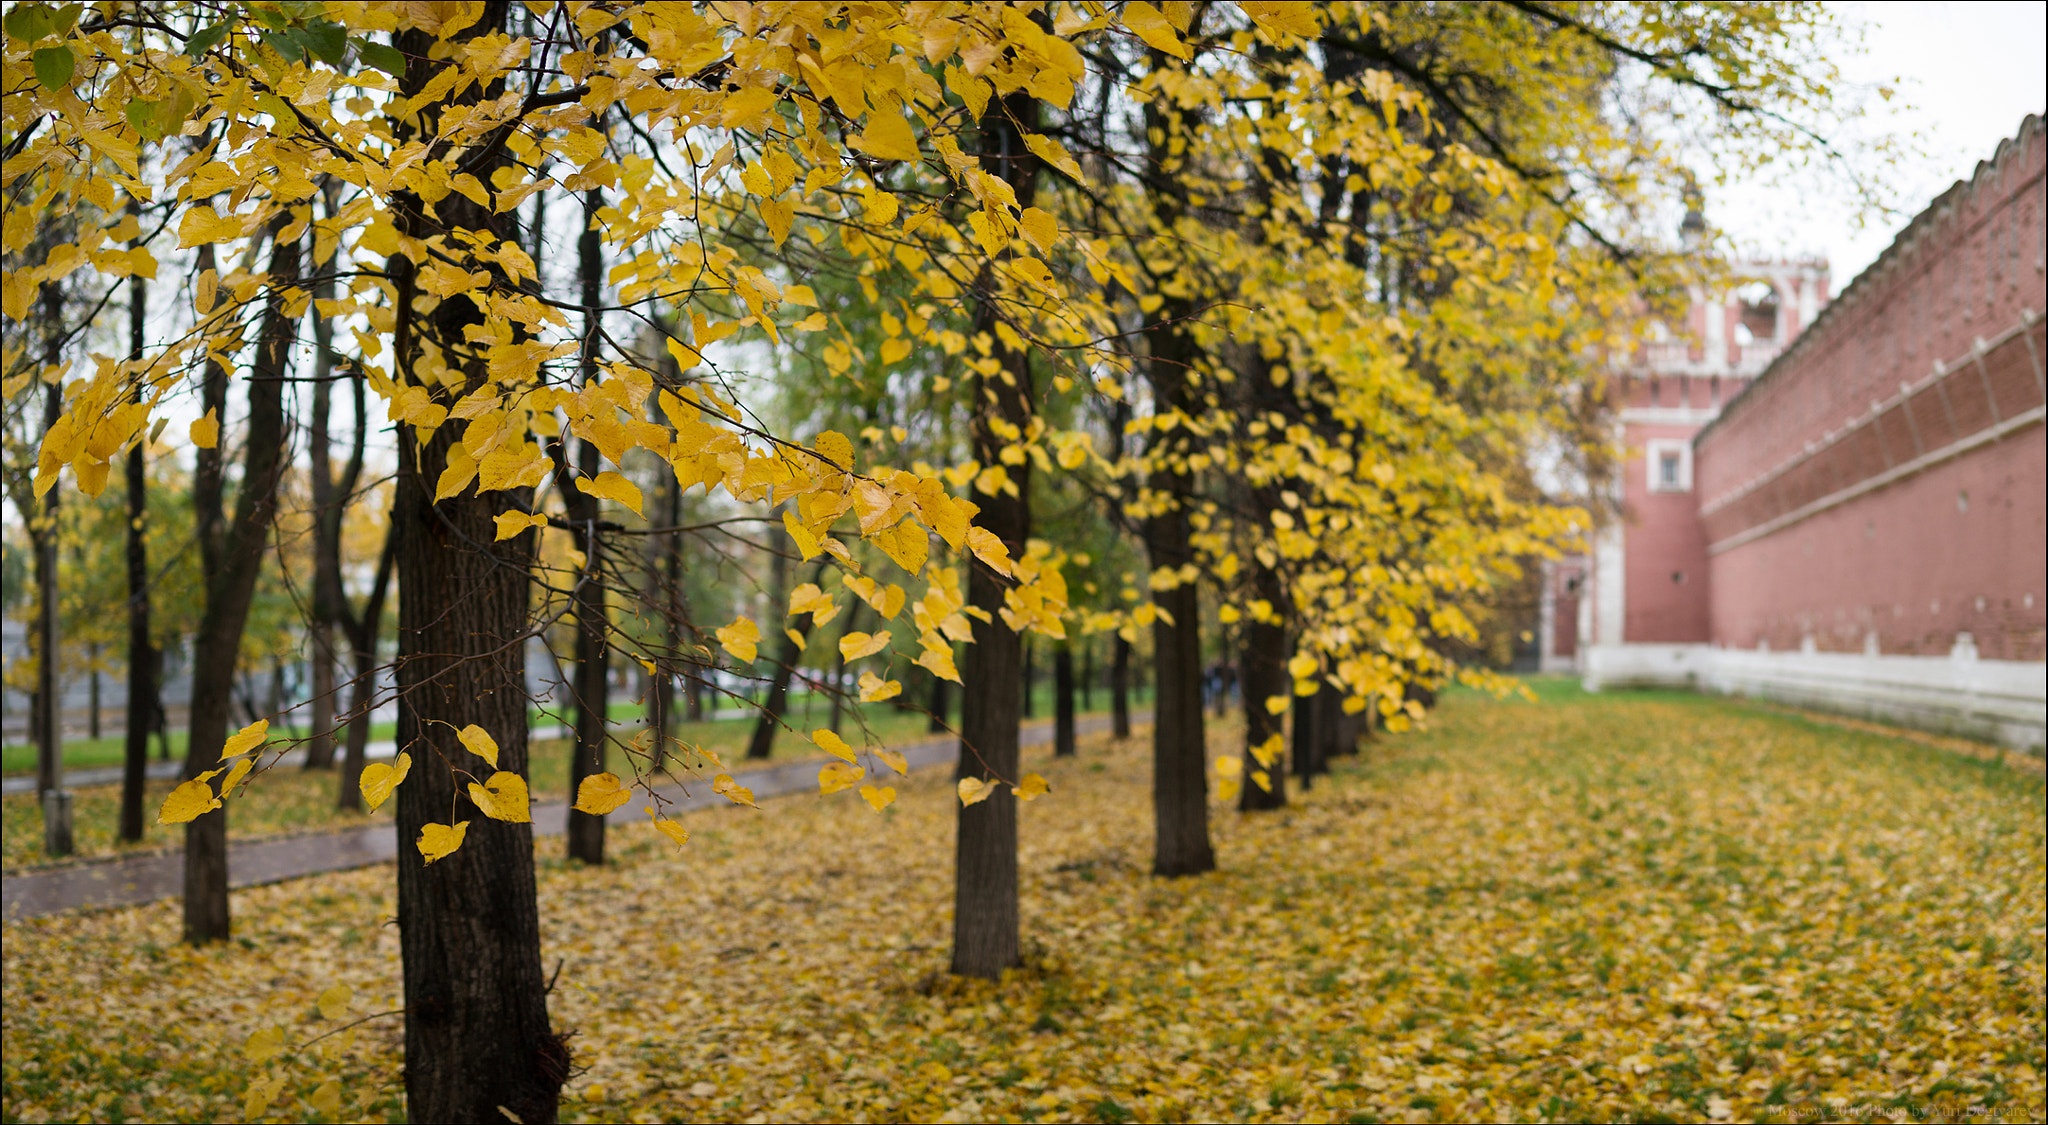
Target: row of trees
column 982, row 320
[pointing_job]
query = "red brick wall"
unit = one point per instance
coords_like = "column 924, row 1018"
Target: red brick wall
column 1830, row 492
column 1664, row 550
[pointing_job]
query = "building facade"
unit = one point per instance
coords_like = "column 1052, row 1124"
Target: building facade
column 1853, row 512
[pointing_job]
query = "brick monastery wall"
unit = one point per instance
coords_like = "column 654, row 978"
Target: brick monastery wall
column 1888, row 474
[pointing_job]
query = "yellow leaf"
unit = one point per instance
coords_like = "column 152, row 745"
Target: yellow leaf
column 888, row 137
column 881, row 797
column 246, row 739
column 439, row 841
column 1268, row 752
column 1227, row 789
column 835, row 447
column 327, row 1099
column 742, row 639
column 832, row 744
column 479, row 743
column 613, row 486
column 189, row 801
column 1040, row 227
column 206, row 431
column 1229, row 766
column 838, row 775
column 263, row 1044
column 503, row 796
column 600, row 793
column 379, row 780
column 874, row 689
column 512, row 523
column 1276, row 705
column 1032, row 786
column 733, row 791
column 1151, row 26
column 1054, row 153
column 671, row 829
column 854, row 646
column 261, row 1093
column 1263, row 780
column 907, row 543
column 895, row 761
column 989, row 549
column 334, row 1002
column 1287, row 16
column 974, row 789
column 939, row 662
column 743, row 106
column 235, row 775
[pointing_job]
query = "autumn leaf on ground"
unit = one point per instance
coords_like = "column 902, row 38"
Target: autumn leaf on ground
column 974, row 789
column 503, row 797
column 879, row 796
column 838, row 775
column 733, row 791
column 189, row 801
column 480, row 743
column 379, row 780
column 439, row 841
column 600, row 793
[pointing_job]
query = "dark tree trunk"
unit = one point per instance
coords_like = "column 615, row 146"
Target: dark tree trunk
column 985, row 940
column 939, row 704
column 787, row 653
column 144, row 661
column 1120, row 689
column 232, row 557
column 1027, row 688
column 364, row 633
column 1265, row 675
column 593, row 624
column 49, row 700
column 1180, row 762
column 327, row 513
column 1329, row 733
column 1088, row 675
column 477, row 1042
column 92, row 703
column 1063, row 702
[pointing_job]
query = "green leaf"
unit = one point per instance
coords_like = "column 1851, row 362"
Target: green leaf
column 383, row 56
column 142, row 115
column 206, row 39
column 29, row 23
column 328, row 41
column 54, row 67
column 286, row 44
column 270, row 18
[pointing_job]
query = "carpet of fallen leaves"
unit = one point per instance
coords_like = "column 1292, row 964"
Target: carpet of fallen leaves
column 1605, row 908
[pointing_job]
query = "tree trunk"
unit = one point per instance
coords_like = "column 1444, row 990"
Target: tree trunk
column 985, row 940
column 1088, row 675
column 92, row 705
column 362, row 642
column 1026, row 690
column 1265, row 676
column 593, row 623
column 1063, row 702
column 1120, row 689
column 233, row 557
column 327, row 591
column 787, row 653
column 49, row 700
column 144, row 662
column 477, row 1042
column 939, row 706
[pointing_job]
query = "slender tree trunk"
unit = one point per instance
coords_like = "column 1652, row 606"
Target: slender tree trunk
column 593, row 622
column 985, row 940
column 49, row 700
column 478, row 1046
column 1265, row 677
column 1026, row 690
column 1120, row 689
column 1088, row 675
column 235, row 554
column 1063, row 702
column 327, row 592
column 839, row 703
column 362, row 643
column 938, row 709
column 787, row 653
column 144, row 662
column 92, row 723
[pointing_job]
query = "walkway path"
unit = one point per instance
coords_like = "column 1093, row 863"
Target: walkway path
column 158, row 875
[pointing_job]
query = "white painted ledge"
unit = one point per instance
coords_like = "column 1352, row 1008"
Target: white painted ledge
column 1998, row 700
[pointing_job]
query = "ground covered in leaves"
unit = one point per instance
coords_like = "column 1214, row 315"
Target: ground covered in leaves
column 1606, row 908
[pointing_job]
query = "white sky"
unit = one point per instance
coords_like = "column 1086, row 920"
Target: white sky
column 1966, row 74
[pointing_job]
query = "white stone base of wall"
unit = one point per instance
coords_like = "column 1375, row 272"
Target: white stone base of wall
column 1996, row 700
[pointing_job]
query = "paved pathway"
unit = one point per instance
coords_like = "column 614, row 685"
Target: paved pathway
column 138, row 879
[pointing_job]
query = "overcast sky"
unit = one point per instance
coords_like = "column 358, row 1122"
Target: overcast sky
column 1966, row 74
